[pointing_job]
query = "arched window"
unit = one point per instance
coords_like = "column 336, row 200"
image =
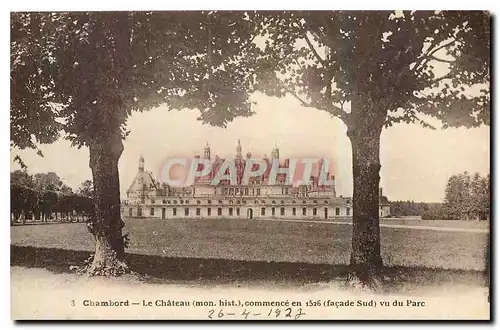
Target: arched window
column 263, row 211
column 282, row 211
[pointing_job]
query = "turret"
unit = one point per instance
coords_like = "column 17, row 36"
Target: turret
column 275, row 154
column 141, row 164
column 238, row 151
column 207, row 152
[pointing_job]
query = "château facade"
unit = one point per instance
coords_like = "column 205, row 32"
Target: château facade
column 148, row 198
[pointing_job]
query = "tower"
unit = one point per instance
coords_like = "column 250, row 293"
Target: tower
column 207, row 151
column 141, row 164
column 238, row 151
column 275, row 154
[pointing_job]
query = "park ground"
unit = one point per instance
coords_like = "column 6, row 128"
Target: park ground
column 423, row 259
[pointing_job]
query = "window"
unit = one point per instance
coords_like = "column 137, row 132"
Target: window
column 198, row 202
column 263, row 211
column 209, row 211
column 220, row 202
column 139, row 211
column 198, row 211
column 209, row 202
column 152, row 201
column 326, row 202
column 174, row 211
column 348, row 211
column 187, row 202
column 274, row 202
column 165, row 201
column 315, row 211
column 152, row 211
column 181, row 201
column 304, row 211
column 219, row 211
column 238, row 202
column 258, row 191
column 303, row 202
column 337, row 211
column 315, row 201
column 230, row 211
column 186, row 211
column 224, row 191
column 293, row 202
column 175, row 202
column 282, row 211
column 294, row 212
column 236, row 191
column 286, row 191
column 246, row 191
column 231, row 191
column 253, row 191
column 244, row 201
column 273, row 211
column 238, row 211
column 130, row 212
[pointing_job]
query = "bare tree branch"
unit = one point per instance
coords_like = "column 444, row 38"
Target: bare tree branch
column 441, row 59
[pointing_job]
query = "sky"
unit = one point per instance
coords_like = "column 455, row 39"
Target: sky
column 416, row 162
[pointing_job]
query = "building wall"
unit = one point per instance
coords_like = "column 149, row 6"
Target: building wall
column 305, row 208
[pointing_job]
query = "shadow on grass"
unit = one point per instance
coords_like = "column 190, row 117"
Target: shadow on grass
column 220, row 271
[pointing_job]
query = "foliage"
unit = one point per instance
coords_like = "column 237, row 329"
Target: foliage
column 90, row 70
column 400, row 64
column 34, row 196
column 468, row 196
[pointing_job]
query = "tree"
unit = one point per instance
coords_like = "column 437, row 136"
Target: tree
column 49, row 180
column 458, row 197
column 21, row 178
column 84, row 73
column 374, row 69
column 86, row 189
column 479, row 196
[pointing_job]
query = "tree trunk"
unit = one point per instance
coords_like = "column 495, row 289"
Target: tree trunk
column 366, row 261
column 107, row 224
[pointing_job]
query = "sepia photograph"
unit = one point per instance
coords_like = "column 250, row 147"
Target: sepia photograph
column 250, row 165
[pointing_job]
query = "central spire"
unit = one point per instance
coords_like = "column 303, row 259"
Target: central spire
column 238, row 150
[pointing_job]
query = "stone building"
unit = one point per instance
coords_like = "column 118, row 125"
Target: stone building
column 146, row 197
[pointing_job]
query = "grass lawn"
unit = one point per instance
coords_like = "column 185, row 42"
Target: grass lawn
column 252, row 240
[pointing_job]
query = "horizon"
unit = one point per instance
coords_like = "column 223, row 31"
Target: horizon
column 409, row 154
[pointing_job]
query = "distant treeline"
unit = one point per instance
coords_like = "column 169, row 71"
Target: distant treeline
column 466, row 197
column 44, row 197
column 428, row 211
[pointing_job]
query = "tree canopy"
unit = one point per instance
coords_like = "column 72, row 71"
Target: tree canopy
column 84, row 72
column 402, row 64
